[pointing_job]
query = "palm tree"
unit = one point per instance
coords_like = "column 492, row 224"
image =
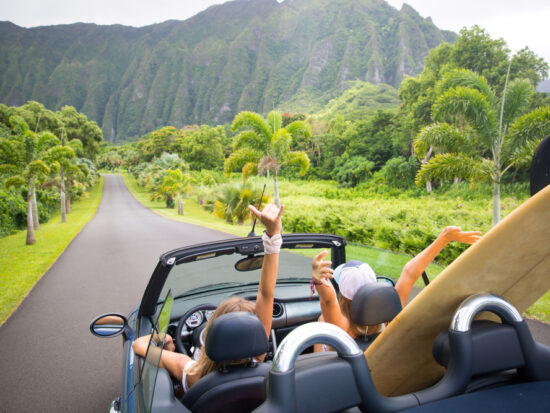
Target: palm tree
column 179, row 183
column 264, row 145
column 22, row 159
column 61, row 157
column 471, row 132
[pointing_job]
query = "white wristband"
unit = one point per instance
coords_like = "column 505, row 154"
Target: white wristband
column 272, row 245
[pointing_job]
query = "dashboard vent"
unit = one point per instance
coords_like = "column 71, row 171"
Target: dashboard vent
column 277, row 310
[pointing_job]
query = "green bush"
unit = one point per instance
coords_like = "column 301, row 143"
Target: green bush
column 13, row 211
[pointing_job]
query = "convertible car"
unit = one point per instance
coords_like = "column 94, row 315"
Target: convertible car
column 489, row 366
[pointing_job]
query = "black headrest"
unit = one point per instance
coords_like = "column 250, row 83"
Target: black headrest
column 235, row 336
column 540, row 166
column 375, row 303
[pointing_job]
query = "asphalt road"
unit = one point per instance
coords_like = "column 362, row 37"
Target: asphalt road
column 49, row 360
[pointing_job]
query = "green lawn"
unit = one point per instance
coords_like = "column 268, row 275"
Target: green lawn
column 23, row 265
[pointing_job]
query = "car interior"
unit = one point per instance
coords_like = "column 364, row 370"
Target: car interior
column 489, row 365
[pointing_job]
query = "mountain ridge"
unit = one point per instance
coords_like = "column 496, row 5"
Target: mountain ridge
column 240, row 55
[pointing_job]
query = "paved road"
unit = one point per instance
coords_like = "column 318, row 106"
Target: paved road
column 49, row 361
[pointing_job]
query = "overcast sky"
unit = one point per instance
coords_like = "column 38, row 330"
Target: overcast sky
column 520, row 23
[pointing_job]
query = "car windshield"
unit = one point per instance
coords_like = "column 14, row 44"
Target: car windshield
column 219, row 272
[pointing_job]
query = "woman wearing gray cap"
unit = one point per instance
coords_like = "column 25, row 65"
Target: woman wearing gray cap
column 353, row 275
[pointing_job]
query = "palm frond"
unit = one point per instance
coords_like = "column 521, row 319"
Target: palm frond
column 531, row 127
column 251, row 140
column 518, row 99
column 37, row 169
column 442, row 136
column 61, row 154
column 14, row 181
column 18, row 125
column 239, row 158
column 76, row 145
column 300, row 159
column 249, row 169
column 253, row 121
column 469, row 103
column 466, row 78
column 280, row 144
column 448, row 166
column 299, row 128
column 46, row 140
column 268, row 163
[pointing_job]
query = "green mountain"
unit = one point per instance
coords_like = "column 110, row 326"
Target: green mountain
column 244, row 54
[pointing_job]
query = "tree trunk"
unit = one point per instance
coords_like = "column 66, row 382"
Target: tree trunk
column 496, row 202
column 30, row 227
column 276, row 191
column 424, row 162
column 62, row 196
column 35, row 222
column 180, row 205
column 68, row 197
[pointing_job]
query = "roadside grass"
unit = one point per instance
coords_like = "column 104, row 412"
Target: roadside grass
column 22, row 266
column 192, row 211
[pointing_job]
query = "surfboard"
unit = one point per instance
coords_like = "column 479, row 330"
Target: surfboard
column 512, row 260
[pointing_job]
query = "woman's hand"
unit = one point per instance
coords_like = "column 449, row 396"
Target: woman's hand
column 169, row 343
column 270, row 216
column 320, row 269
column 456, row 234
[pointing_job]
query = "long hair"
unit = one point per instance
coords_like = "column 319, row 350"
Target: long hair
column 356, row 329
column 204, row 365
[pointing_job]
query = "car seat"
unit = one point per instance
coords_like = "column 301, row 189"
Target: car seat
column 233, row 388
column 374, row 304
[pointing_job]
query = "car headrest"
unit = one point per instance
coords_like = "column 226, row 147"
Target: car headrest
column 375, row 303
column 235, row 336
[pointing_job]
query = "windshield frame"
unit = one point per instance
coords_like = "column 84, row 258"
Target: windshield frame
column 243, row 246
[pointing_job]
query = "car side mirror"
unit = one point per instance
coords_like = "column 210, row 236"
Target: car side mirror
column 108, row 325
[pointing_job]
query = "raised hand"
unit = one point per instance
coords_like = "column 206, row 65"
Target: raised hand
column 320, row 269
column 270, row 216
column 456, row 234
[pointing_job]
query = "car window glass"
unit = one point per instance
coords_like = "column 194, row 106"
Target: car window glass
column 387, row 263
column 154, row 350
column 220, row 271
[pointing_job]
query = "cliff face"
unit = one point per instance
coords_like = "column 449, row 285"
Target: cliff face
column 242, row 55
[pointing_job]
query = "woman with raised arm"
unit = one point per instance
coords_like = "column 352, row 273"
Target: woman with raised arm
column 189, row 371
column 353, row 275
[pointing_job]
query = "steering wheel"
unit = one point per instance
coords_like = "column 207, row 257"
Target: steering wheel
column 195, row 336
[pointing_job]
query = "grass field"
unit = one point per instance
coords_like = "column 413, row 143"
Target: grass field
column 23, row 265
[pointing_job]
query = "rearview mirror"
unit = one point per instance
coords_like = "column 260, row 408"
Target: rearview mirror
column 250, row 263
column 108, row 325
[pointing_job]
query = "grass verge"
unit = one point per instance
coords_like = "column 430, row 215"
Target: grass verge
column 192, row 211
column 23, row 265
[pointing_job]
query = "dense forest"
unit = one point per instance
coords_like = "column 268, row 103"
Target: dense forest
column 242, row 55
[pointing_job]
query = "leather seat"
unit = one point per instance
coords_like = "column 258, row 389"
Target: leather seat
column 374, row 304
column 233, row 388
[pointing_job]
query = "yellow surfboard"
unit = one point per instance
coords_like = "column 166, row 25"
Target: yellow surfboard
column 512, row 260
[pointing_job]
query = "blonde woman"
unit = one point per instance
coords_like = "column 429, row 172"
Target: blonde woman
column 353, row 275
column 189, row 371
